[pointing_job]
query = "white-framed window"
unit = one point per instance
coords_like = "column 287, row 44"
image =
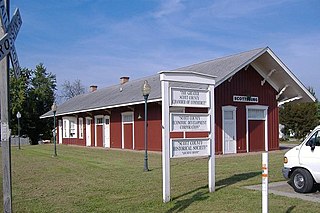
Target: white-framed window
column 81, row 128
column 256, row 114
column 99, row 121
column 127, row 117
column 228, row 115
column 69, row 127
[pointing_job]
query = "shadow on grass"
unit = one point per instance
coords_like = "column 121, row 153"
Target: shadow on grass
column 199, row 195
column 290, row 209
column 181, row 205
column 235, row 179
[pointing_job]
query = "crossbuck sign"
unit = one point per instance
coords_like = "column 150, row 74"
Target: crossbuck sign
column 11, row 30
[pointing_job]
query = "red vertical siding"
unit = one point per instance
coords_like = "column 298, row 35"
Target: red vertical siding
column 256, row 136
column 154, row 127
column 99, row 136
column 115, row 129
column 128, row 136
column 246, row 83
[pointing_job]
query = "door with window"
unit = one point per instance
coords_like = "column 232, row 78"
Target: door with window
column 127, row 130
column 88, row 131
column 257, row 128
column 107, row 131
column 99, row 123
column 229, row 129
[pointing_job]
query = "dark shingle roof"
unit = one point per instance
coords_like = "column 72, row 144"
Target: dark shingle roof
column 225, row 66
column 130, row 92
column 116, row 95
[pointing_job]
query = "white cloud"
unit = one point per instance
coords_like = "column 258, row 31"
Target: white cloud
column 168, row 7
column 236, row 8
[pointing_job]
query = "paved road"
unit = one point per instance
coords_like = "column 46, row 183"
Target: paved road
column 283, row 188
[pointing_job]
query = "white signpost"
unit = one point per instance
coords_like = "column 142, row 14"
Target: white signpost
column 9, row 33
column 187, row 122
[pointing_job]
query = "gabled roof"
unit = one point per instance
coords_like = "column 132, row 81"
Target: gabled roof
column 268, row 65
column 114, row 96
column 225, row 67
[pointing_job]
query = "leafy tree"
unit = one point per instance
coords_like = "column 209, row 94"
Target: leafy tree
column 299, row 118
column 18, row 99
column 33, row 95
column 69, row 90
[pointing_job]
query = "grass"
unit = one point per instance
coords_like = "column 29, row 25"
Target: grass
column 98, row 180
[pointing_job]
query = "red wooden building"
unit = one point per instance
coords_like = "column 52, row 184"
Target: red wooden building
column 250, row 87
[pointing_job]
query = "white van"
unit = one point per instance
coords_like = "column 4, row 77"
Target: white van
column 302, row 164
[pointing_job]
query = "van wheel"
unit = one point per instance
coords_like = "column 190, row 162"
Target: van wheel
column 302, row 181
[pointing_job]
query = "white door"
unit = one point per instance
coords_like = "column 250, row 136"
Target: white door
column 60, row 131
column 88, row 131
column 107, row 131
column 311, row 158
column 229, row 130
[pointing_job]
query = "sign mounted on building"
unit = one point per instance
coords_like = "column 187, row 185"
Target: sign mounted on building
column 190, row 147
column 190, row 122
column 249, row 99
column 187, row 97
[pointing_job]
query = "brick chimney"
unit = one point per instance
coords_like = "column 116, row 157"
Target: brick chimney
column 124, row 79
column 93, row 88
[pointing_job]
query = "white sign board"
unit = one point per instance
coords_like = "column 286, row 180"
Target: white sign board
column 250, row 99
column 186, row 97
column 190, row 122
column 187, row 147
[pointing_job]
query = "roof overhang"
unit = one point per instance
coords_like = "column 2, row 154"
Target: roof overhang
column 278, row 75
column 100, row 108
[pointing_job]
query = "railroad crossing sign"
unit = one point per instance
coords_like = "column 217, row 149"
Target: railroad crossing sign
column 11, row 30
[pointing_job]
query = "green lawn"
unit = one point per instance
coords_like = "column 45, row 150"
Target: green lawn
column 98, row 180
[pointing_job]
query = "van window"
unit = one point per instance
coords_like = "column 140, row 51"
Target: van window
column 315, row 139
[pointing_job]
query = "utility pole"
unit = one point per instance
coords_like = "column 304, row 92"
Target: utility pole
column 5, row 131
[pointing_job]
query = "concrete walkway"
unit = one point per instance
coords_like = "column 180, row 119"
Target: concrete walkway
column 284, row 189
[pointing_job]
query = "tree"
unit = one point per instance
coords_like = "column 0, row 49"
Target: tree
column 18, row 99
column 69, row 90
column 299, row 118
column 33, row 95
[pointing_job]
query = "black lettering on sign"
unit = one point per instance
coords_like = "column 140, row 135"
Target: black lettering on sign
column 7, row 44
column 4, row 15
column 1, row 50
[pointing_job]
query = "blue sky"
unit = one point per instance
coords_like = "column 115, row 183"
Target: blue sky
column 98, row 41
